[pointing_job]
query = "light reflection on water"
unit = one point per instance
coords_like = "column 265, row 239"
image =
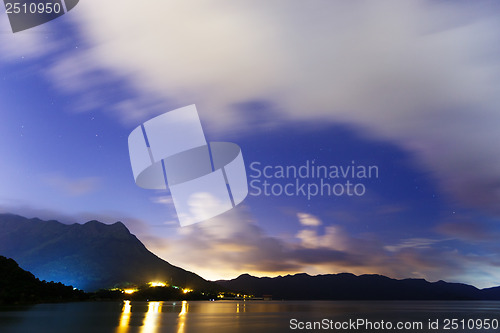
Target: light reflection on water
column 243, row 307
column 182, row 317
column 151, row 322
column 223, row 316
column 125, row 317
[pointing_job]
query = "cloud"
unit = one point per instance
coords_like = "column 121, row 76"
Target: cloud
column 29, row 211
column 308, row 220
column 163, row 200
column 232, row 243
column 392, row 209
column 73, row 186
column 334, row 238
column 470, row 231
column 413, row 243
column 201, row 206
column 25, row 45
column 419, row 73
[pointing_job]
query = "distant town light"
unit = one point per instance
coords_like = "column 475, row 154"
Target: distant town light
column 187, row 290
column 157, row 284
column 129, row 291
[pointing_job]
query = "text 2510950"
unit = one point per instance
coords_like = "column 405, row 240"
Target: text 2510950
column 33, row 8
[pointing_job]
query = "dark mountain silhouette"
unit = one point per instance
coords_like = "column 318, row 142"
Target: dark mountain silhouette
column 351, row 287
column 20, row 286
column 88, row 256
column 491, row 293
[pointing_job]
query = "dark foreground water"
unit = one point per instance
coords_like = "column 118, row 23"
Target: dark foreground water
column 253, row 316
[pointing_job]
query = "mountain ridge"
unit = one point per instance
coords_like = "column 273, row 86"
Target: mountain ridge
column 88, row 256
column 347, row 286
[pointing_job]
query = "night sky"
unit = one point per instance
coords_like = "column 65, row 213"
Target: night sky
column 410, row 87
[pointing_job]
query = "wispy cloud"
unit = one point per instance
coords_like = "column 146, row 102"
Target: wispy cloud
column 413, row 243
column 25, row 45
column 163, row 200
column 73, row 186
column 308, row 220
column 334, row 238
column 466, row 230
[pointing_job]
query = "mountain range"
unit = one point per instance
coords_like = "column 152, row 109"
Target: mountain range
column 347, row 286
column 87, row 256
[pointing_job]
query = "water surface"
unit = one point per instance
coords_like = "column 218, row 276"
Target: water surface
column 249, row 316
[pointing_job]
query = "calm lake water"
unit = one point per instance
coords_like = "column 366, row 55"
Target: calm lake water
column 252, row 316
